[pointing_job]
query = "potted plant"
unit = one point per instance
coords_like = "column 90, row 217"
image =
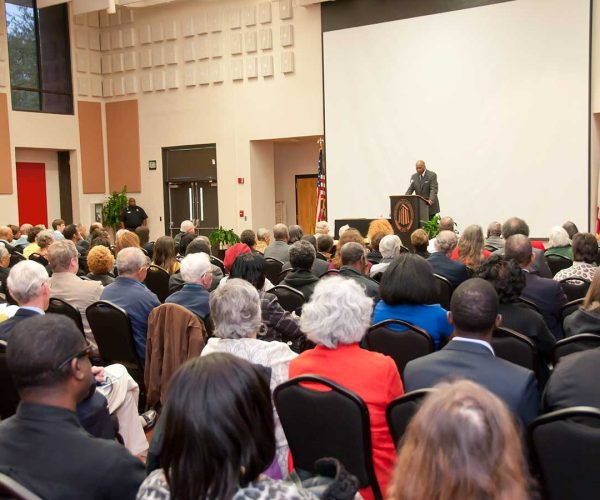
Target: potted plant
column 222, row 238
column 431, row 227
column 112, row 209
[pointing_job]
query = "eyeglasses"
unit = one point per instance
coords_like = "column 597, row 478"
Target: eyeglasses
column 84, row 352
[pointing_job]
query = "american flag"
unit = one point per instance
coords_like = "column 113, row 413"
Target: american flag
column 321, row 190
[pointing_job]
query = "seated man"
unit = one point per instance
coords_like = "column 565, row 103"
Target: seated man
column 263, row 237
column 325, row 247
column 474, row 314
column 354, row 266
column 186, row 227
column 302, row 258
column 390, row 247
column 66, row 285
column 43, row 446
column 545, row 293
column 279, row 249
column 455, row 272
column 200, row 244
column 248, row 237
column 129, row 292
column 494, row 236
column 6, row 238
column 196, row 273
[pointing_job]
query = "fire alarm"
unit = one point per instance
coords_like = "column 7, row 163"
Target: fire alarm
column 241, row 213
column 240, row 180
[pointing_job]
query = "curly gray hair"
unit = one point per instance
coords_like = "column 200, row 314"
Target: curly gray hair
column 235, row 309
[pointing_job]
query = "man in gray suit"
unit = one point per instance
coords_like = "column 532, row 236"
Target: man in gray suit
column 424, row 183
column 279, row 249
column 474, row 314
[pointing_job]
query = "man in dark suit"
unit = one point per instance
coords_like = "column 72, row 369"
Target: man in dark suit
column 545, row 293
column 454, row 271
column 424, row 183
column 474, row 314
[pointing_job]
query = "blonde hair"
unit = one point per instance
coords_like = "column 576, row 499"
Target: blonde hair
column 470, row 246
column 126, row 239
column 379, row 226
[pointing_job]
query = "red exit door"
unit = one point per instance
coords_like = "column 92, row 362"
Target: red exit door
column 31, row 193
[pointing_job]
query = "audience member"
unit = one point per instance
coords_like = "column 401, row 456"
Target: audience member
column 100, row 241
column 58, row 226
column 509, row 281
column 185, row 240
column 43, row 240
column 442, row 264
column 72, row 233
column 187, row 227
column 302, row 258
column 100, row 262
column 4, row 270
column 336, row 319
column 494, row 239
column 461, row 444
column 196, row 273
column 559, row 243
column 16, row 232
column 322, row 228
column 470, row 250
column 295, row 234
column 349, row 235
column 279, row 325
column 319, row 267
column 143, row 233
column 22, row 241
column 43, row 446
column 126, row 239
column 355, row 267
column 197, row 245
column 248, row 236
column 263, row 239
column 474, row 314
column 129, row 293
column 6, row 237
column 374, row 254
column 587, row 318
column 545, row 293
column 83, row 245
column 324, row 247
column 420, row 241
column 390, row 247
column 379, row 226
column 233, row 252
column 585, row 253
column 95, row 230
column 408, row 293
column 570, row 228
column 235, row 309
column 279, row 249
column 222, row 454
column 32, row 246
column 165, row 255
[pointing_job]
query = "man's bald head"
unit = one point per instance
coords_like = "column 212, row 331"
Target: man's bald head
column 518, row 247
column 446, row 224
column 420, row 167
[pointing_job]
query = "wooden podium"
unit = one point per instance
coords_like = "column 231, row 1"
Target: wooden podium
column 407, row 211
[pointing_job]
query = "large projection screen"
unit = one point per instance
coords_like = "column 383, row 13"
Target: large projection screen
column 494, row 99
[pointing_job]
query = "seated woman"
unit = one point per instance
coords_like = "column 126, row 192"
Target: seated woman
column 235, row 311
column 509, row 281
column 559, row 243
column 100, row 262
column 43, row 240
column 165, row 254
column 585, row 253
column 420, row 241
column 218, row 436
column 407, row 290
column 126, row 239
column 461, row 444
column 347, row 236
column 470, row 250
column 587, row 318
column 278, row 324
column 336, row 319
column 31, row 246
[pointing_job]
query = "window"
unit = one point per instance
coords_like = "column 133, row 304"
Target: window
column 39, row 57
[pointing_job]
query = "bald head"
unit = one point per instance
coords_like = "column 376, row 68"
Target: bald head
column 420, row 167
column 6, row 233
column 518, row 247
column 446, row 224
column 474, row 309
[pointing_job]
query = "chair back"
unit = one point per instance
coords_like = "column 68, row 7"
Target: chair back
column 59, row 306
column 566, row 452
column 575, row 288
column 289, row 298
column 404, row 345
column 157, row 281
column 444, row 291
column 401, row 410
column 557, row 262
column 330, row 272
column 284, row 273
column 530, row 305
column 272, row 269
column 323, row 419
column 516, row 348
column 9, row 488
column 16, row 257
column 39, row 258
column 570, row 308
column 219, row 263
column 576, row 343
column 10, row 397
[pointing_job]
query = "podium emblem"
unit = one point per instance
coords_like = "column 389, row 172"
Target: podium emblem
column 404, row 216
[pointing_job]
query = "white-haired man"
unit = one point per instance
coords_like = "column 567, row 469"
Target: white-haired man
column 390, row 247
column 196, row 271
column 186, row 227
column 454, row 271
column 263, row 238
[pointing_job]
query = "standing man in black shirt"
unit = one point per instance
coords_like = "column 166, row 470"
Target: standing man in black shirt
column 133, row 216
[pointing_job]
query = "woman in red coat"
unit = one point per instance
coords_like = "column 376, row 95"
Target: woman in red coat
column 336, row 319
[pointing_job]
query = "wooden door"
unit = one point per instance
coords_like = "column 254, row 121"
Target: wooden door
column 306, row 202
column 31, row 193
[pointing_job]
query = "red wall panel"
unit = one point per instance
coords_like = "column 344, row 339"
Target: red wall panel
column 31, row 192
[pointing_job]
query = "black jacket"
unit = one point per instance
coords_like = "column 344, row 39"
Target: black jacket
column 582, row 321
column 302, row 280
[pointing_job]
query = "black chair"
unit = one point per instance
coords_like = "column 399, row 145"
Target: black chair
column 272, row 269
column 289, row 298
column 331, row 423
column 330, row 272
column 10, row 397
column 157, row 281
column 566, row 452
column 9, row 488
column 518, row 349
column 39, row 258
column 530, row 305
column 59, row 306
column 575, row 288
column 403, row 345
column 112, row 330
column 444, row 291
column 576, row 343
column 570, row 308
column 219, row 263
column 284, row 273
column 401, row 410
column 16, row 257
column 557, row 262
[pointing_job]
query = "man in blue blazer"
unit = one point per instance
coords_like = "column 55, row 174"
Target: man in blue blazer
column 453, row 270
column 474, row 314
column 424, row 183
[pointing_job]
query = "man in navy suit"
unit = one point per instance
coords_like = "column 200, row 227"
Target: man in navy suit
column 424, row 183
column 474, row 314
column 545, row 293
column 454, row 271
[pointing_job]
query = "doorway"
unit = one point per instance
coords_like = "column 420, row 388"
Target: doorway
column 191, row 189
column 306, row 202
